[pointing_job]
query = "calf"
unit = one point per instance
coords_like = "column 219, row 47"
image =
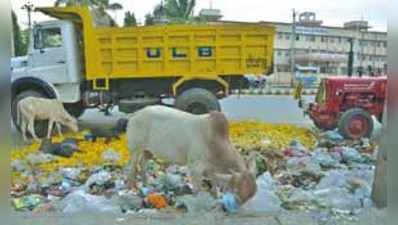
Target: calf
column 199, row 141
column 31, row 108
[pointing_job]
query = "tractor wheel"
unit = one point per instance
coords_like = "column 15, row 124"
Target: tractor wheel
column 355, row 123
column 197, row 101
column 40, row 126
column 75, row 109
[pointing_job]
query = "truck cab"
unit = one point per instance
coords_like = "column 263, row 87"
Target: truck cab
column 53, row 59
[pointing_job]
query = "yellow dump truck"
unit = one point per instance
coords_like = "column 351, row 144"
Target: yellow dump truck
column 85, row 64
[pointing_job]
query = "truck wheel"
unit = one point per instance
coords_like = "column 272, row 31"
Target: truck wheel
column 40, row 126
column 75, row 109
column 355, row 123
column 197, row 101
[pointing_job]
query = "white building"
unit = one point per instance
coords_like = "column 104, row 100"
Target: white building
column 327, row 47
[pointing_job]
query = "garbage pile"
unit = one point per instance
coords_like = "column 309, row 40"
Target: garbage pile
column 78, row 174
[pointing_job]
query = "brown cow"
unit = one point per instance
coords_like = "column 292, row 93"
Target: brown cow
column 199, row 141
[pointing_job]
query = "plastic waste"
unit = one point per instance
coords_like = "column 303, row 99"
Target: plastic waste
column 19, row 165
column 265, row 199
column 67, row 148
column 110, row 156
column 230, row 203
column 129, row 201
column 28, row 202
column 322, row 157
column 71, row 173
column 79, row 201
column 351, row 155
column 39, row 158
column 333, row 136
column 338, row 198
column 303, row 164
column 99, row 181
column 202, row 202
column 170, row 183
column 64, row 149
column 333, row 178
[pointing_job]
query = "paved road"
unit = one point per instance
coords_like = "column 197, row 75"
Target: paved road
column 275, row 109
column 368, row 217
column 268, row 108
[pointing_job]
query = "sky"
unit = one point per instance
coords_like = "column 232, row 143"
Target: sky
column 331, row 12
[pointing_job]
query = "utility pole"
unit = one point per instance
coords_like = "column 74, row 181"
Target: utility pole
column 292, row 48
column 29, row 8
column 350, row 57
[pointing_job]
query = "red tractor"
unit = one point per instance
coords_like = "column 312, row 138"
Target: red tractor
column 348, row 104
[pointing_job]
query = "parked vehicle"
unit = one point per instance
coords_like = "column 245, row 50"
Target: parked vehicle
column 348, row 104
column 86, row 65
column 307, row 75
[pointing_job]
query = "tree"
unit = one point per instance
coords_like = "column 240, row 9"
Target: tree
column 101, row 4
column 180, row 9
column 74, row 2
column 20, row 44
column 174, row 11
column 129, row 19
column 149, row 19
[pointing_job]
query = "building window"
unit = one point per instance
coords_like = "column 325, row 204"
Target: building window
column 324, row 39
column 280, row 36
column 379, row 44
column 279, row 53
column 343, row 70
column 287, row 36
column 331, row 39
column 310, row 38
column 385, row 44
column 339, row 39
column 297, row 37
column 287, row 53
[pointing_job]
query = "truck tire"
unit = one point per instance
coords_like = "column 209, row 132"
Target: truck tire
column 40, row 126
column 75, row 109
column 197, row 101
column 355, row 124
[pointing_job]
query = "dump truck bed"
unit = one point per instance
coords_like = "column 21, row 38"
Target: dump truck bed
column 170, row 50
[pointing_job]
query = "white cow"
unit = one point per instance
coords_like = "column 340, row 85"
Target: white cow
column 199, row 141
column 31, row 108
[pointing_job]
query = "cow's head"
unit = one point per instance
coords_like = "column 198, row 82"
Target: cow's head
column 70, row 122
column 242, row 184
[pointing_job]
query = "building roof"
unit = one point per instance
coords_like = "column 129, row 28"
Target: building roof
column 289, row 24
